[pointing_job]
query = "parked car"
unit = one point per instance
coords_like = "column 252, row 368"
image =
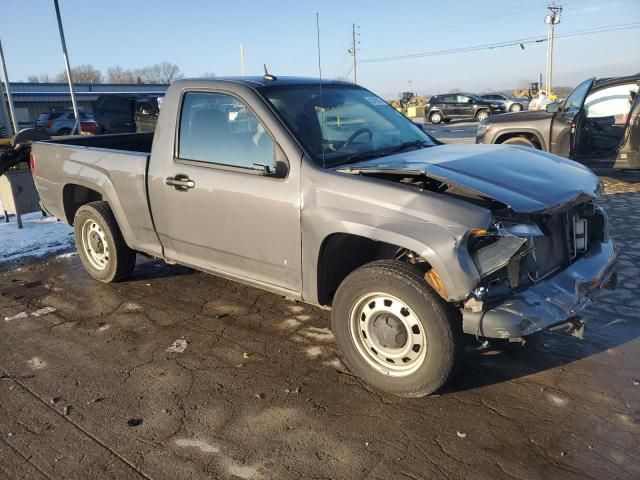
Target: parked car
column 126, row 113
column 443, row 108
column 334, row 198
column 599, row 120
column 511, row 104
column 63, row 123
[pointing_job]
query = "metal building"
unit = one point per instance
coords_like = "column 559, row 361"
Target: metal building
column 31, row 99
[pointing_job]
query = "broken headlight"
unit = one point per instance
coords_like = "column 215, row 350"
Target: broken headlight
column 501, row 245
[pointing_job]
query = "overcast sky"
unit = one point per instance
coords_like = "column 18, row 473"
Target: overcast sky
column 204, row 36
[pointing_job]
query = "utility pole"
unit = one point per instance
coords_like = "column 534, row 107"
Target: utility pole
column 551, row 19
column 76, row 114
column 5, row 78
column 353, row 51
column 242, row 58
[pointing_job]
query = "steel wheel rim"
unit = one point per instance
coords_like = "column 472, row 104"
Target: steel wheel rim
column 94, row 243
column 482, row 116
column 516, row 108
column 388, row 334
column 435, row 118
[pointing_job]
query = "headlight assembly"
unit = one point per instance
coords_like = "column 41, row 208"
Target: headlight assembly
column 495, row 248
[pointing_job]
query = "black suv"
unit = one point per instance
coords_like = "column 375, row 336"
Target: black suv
column 442, row 108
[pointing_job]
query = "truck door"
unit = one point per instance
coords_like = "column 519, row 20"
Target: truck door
column 214, row 205
column 628, row 156
column 564, row 123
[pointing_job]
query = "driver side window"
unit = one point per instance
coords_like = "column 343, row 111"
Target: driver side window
column 220, row 129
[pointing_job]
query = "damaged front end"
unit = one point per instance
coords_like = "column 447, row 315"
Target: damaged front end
column 538, row 271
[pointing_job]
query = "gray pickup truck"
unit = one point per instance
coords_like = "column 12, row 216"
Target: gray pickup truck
column 324, row 193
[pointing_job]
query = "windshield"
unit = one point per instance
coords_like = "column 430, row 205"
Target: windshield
column 349, row 123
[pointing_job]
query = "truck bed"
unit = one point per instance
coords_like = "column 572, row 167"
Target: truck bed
column 112, row 168
column 128, row 142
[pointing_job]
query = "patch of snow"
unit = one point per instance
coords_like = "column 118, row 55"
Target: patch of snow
column 17, row 316
column 39, row 237
column 200, row 444
column 36, row 363
column 178, row 346
column 43, row 311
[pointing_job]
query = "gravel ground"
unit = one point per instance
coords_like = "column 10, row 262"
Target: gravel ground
column 177, row 374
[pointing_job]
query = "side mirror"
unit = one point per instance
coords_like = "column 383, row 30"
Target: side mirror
column 552, row 107
column 281, row 162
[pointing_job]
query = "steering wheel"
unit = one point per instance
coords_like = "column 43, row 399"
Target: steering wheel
column 355, row 135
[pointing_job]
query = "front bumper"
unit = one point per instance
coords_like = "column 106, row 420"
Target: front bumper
column 550, row 302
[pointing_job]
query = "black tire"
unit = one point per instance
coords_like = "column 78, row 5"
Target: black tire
column 482, row 114
column 435, row 117
column 64, row 131
column 439, row 321
column 523, row 141
column 120, row 260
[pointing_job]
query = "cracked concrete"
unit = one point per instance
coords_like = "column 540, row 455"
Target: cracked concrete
column 260, row 392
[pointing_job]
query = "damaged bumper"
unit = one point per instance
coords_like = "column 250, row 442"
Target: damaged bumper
column 551, row 302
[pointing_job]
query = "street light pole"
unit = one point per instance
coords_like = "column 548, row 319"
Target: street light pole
column 353, row 51
column 552, row 19
column 242, row 58
column 5, row 79
column 68, row 69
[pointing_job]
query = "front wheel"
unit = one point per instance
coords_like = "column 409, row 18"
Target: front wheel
column 435, row 117
column 394, row 331
column 516, row 107
column 482, row 115
column 100, row 244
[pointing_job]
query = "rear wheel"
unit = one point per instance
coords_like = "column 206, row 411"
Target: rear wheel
column 435, row 117
column 482, row 115
column 100, row 244
column 525, row 142
column 64, row 131
column 394, row 331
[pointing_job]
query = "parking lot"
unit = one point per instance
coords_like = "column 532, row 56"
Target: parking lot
column 178, row 374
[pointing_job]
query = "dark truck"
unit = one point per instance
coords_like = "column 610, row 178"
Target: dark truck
column 126, row 113
column 598, row 121
column 326, row 194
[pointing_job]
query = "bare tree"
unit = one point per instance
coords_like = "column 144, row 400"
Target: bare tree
column 168, row 72
column 119, row 75
column 163, row 72
column 40, row 78
column 82, row 74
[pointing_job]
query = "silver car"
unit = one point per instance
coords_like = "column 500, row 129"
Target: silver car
column 63, row 123
column 511, row 104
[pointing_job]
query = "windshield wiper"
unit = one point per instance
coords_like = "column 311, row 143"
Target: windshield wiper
column 387, row 151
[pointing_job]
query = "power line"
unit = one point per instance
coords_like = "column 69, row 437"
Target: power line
column 508, row 43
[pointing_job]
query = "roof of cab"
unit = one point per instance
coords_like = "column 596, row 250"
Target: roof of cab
column 259, row 81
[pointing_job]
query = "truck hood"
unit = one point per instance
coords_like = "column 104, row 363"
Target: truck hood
column 526, row 180
column 517, row 117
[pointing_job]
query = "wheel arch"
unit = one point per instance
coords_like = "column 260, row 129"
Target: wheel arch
column 77, row 193
column 341, row 253
column 531, row 135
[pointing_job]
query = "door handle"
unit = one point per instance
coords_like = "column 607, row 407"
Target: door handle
column 180, row 182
